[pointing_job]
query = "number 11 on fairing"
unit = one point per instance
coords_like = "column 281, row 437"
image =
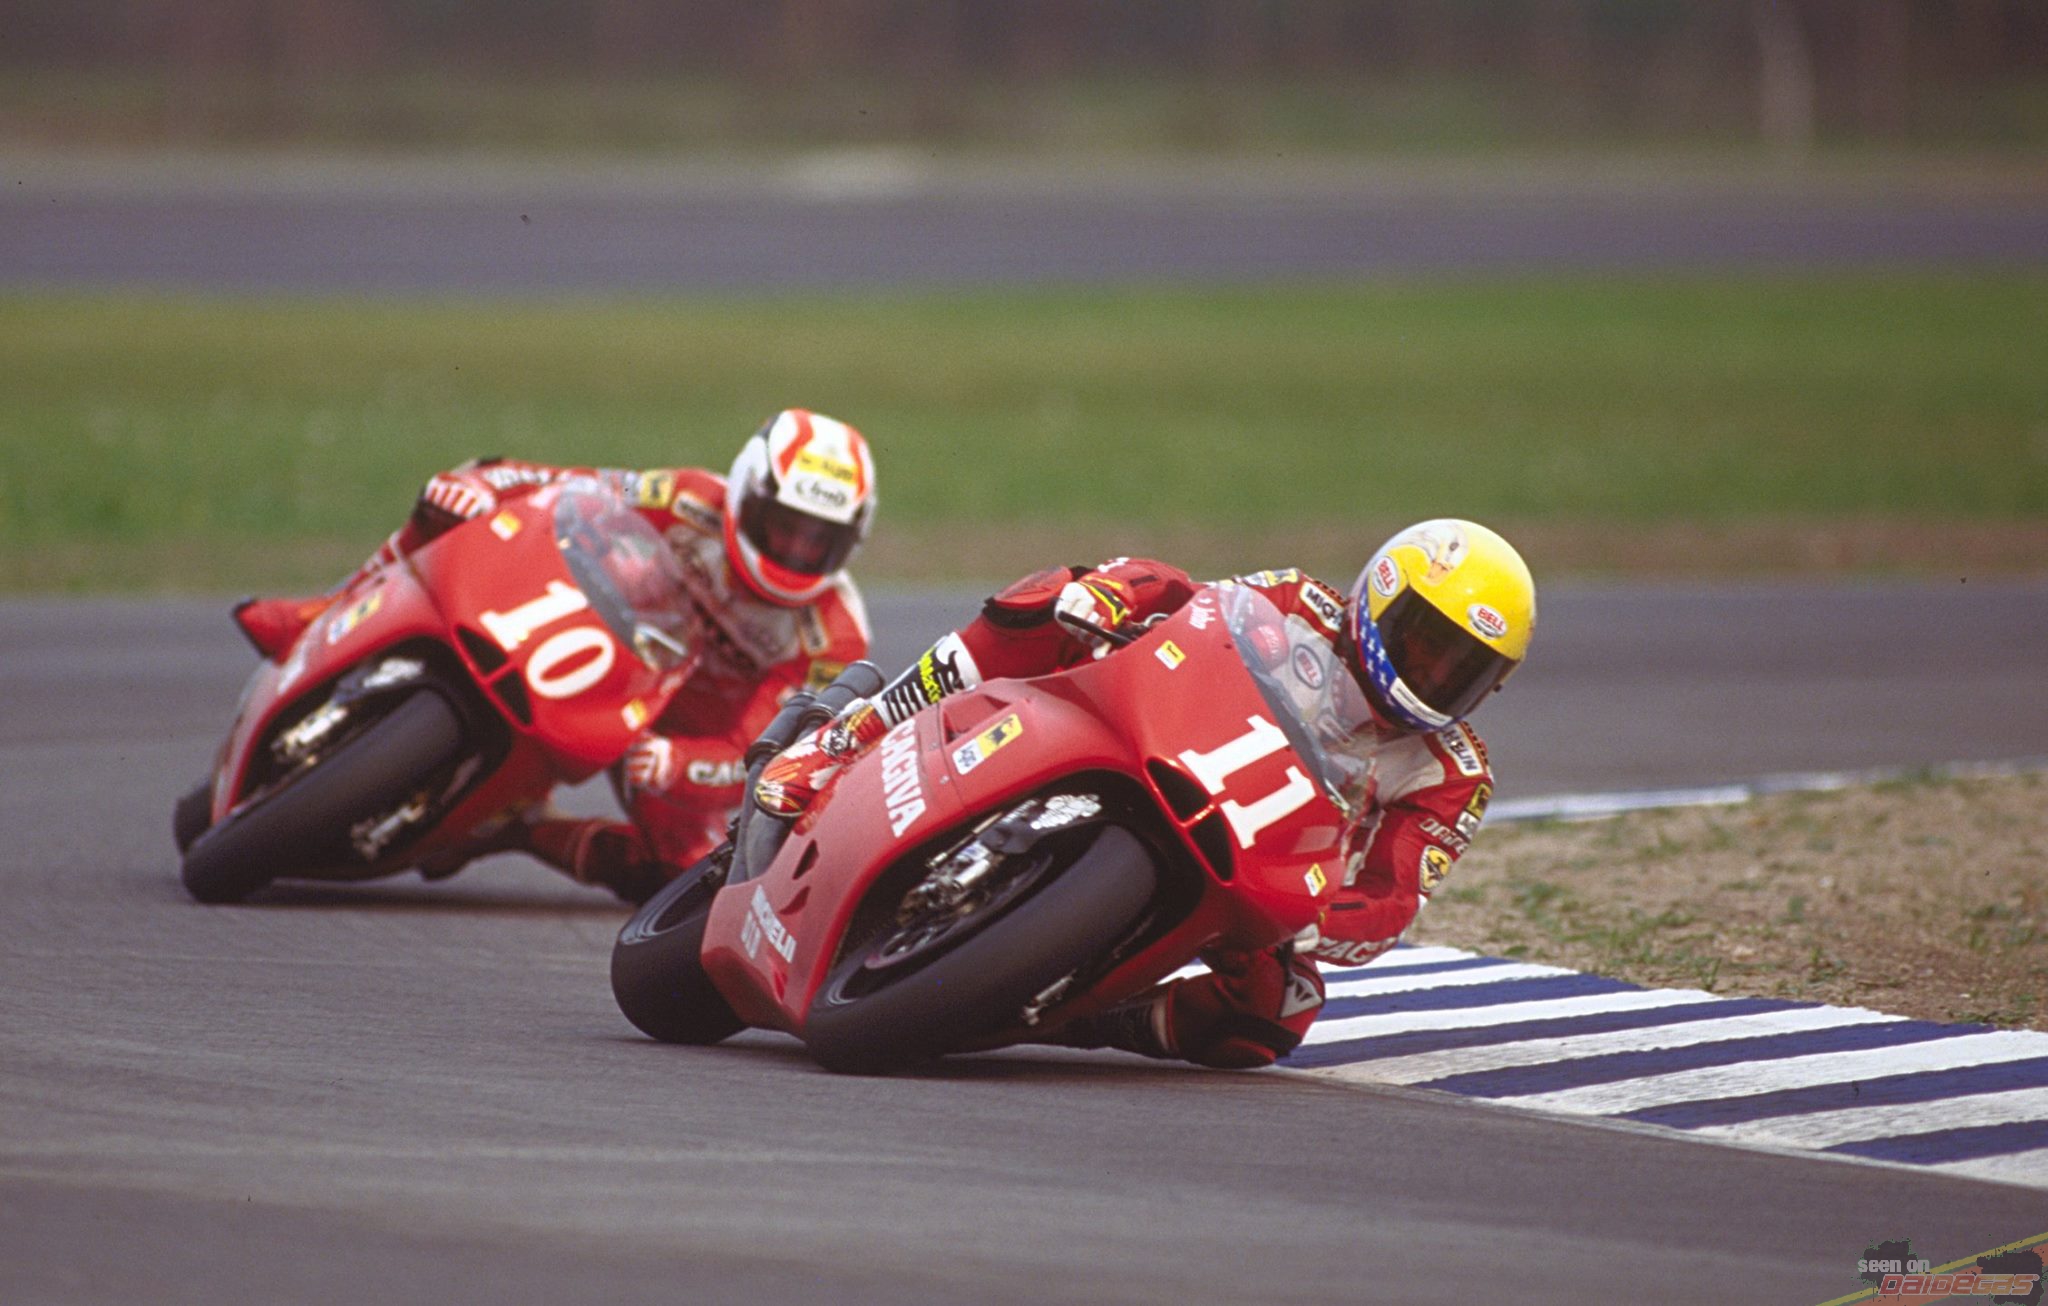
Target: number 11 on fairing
column 1214, row 768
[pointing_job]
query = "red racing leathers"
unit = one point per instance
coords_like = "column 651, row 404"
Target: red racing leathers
column 1427, row 795
column 682, row 779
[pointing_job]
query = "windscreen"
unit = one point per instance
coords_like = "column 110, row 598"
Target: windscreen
column 1316, row 702
column 627, row 571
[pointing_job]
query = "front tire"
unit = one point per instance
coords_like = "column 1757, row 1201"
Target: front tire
column 658, row 974
column 980, row 985
column 192, row 815
column 304, row 825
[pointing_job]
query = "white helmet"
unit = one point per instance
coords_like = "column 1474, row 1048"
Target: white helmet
column 799, row 500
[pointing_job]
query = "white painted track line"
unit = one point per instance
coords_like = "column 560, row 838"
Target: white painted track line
column 1446, row 979
column 1503, row 1013
column 1424, row 1066
column 2013, row 1167
column 1791, row 1072
column 1857, row 1124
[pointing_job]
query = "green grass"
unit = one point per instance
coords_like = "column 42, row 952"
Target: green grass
column 140, row 428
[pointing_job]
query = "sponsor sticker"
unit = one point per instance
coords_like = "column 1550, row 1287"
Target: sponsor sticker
column 1169, row 653
column 1489, row 624
column 1436, row 863
column 811, row 633
column 1308, row 669
column 978, row 749
column 505, row 525
column 825, row 465
column 818, row 492
column 511, row 478
column 1315, row 879
column 1272, row 579
column 1301, row 995
column 655, row 489
column 634, row 714
column 708, row 774
column 763, row 924
column 1444, row 834
column 1386, row 577
column 1460, row 746
column 1065, row 809
column 354, row 615
column 697, row 513
column 1322, row 606
column 1352, row 954
column 1475, row 810
column 902, row 781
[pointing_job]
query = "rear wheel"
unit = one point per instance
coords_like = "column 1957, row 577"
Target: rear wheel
column 928, row 986
column 304, row 825
column 657, row 970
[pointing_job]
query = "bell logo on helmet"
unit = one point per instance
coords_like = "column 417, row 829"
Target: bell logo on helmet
column 1386, row 576
column 1490, row 624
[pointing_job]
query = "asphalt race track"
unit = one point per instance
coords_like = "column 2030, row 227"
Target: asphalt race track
column 869, row 220
column 419, row 1093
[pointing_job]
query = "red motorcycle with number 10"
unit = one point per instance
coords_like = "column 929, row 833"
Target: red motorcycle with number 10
column 1022, row 854
column 514, row 653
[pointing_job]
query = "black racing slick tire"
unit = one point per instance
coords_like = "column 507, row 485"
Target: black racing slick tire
column 658, row 974
column 980, row 986
column 192, row 815
column 302, row 827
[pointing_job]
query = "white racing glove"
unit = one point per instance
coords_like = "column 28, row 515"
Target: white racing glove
column 458, row 495
column 1097, row 600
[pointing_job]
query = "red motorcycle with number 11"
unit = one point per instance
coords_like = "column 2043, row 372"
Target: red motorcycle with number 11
column 438, row 695
column 1022, row 854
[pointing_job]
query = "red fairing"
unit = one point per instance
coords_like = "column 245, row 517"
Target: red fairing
column 493, row 597
column 1431, row 790
column 1179, row 699
column 681, row 778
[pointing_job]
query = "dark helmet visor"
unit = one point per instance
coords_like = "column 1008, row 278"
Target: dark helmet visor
column 792, row 538
column 1441, row 662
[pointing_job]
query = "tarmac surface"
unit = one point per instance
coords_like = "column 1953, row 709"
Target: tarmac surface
column 420, row 1093
column 883, row 219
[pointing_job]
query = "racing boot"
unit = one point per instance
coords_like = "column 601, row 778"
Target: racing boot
column 609, row 854
column 512, row 834
column 274, row 625
column 1135, row 1026
column 1251, row 1009
column 791, row 782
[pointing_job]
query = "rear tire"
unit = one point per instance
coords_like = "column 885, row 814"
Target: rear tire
column 979, row 986
column 658, row 974
column 303, row 826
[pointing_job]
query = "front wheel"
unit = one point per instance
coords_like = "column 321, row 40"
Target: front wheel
column 657, row 967
column 868, row 1020
column 304, row 826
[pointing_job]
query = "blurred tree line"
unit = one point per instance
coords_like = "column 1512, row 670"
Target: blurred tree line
column 1785, row 72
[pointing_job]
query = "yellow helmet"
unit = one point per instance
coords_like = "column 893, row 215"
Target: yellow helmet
column 1439, row 618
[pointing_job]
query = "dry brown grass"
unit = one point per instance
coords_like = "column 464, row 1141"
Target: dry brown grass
column 1926, row 897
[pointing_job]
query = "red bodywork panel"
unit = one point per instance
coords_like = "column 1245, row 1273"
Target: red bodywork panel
column 503, row 580
column 1179, row 698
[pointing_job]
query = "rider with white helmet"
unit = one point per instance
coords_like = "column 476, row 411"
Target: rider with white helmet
column 763, row 553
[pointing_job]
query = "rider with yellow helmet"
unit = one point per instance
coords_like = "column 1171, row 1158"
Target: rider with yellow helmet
column 1439, row 619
